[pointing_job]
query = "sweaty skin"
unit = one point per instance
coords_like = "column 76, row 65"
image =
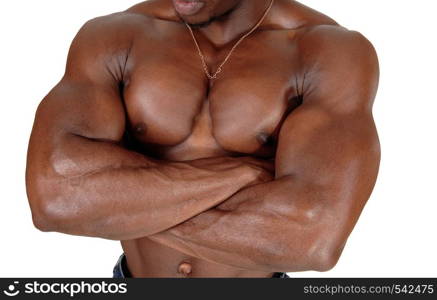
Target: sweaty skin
column 264, row 169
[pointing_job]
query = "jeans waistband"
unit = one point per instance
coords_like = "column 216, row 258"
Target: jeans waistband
column 122, row 271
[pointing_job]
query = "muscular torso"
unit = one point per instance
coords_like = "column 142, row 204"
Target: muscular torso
column 175, row 113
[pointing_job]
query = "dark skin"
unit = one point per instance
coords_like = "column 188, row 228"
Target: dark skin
column 264, row 169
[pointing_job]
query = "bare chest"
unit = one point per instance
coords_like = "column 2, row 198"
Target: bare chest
column 175, row 111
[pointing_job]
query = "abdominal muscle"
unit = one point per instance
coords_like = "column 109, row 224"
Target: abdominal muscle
column 146, row 258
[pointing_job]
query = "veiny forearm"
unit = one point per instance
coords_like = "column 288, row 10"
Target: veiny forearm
column 256, row 230
column 100, row 189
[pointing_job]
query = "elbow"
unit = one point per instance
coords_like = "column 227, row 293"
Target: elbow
column 53, row 215
column 318, row 252
column 45, row 200
column 320, row 260
column 44, row 217
column 325, row 259
column 323, row 253
column 42, row 222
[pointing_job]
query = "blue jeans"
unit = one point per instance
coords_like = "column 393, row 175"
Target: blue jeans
column 121, row 270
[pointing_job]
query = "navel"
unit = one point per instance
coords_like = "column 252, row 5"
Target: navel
column 185, row 269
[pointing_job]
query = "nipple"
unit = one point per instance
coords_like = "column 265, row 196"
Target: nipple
column 140, row 129
column 185, row 269
column 265, row 139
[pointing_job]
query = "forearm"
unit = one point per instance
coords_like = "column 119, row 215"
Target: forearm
column 253, row 230
column 103, row 190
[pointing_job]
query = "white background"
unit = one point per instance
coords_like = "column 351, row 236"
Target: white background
column 395, row 235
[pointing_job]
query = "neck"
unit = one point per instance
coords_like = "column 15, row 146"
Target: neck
column 235, row 22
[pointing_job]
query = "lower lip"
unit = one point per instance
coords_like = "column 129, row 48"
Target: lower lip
column 188, row 8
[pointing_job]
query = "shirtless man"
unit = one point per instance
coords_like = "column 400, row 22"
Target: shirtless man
column 263, row 169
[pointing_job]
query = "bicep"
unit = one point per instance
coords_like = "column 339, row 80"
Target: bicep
column 89, row 109
column 83, row 110
column 74, row 124
column 335, row 151
column 329, row 145
column 87, row 100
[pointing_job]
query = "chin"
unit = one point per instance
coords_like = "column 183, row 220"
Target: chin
column 195, row 12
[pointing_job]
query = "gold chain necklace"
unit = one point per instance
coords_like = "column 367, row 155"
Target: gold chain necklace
column 219, row 69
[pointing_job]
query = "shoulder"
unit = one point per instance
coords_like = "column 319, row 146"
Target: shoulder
column 102, row 44
column 117, row 27
column 120, row 29
column 319, row 37
column 108, row 35
column 333, row 60
column 324, row 41
column 338, row 64
column 336, row 51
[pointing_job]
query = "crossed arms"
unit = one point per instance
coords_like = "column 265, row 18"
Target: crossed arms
column 293, row 216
